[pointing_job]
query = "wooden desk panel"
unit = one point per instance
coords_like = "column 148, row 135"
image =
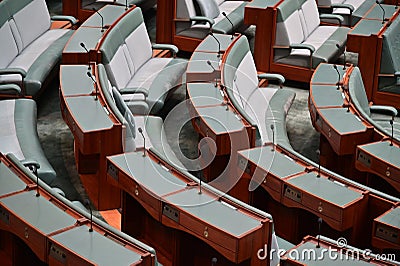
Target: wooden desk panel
column 381, row 159
column 386, row 230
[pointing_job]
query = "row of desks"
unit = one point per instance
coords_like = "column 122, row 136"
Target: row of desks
column 55, row 232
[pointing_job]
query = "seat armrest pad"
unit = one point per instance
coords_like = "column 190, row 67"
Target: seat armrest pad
column 134, row 90
column 202, row 19
column 161, row 46
column 348, row 6
column 10, row 89
column 384, row 109
column 27, row 162
column 13, row 70
column 339, row 18
column 71, row 19
column 397, row 74
column 278, row 77
column 303, row 46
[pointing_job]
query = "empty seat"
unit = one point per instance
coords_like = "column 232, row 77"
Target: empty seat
column 143, row 4
column 389, row 74
column 300, row 38
column 140, row 78
column 241, row 81
column 351, row 10
column 33, row 50
column 18, row 135
column 195, row 17
column 360, row 101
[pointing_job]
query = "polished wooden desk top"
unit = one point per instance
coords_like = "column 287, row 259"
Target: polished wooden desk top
column 89, row 36
column 377, row 13
column 366, row 27
column 74, row 80
column 327, row 75
column 110, row 14
column 220, row 120
column 328, row 190
column 88, row 113
column 336, row 116
column 391, row 217
column 262, row 4
column 271, row 161
column 204, row 94
column 216, row 213
column 9, row 181
column 38, row 212
column 383, row 151
column 94, row 247
column 327, row 96
column 148, row 173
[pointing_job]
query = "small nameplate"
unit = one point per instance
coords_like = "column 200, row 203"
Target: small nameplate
column 387, row 233
column 58, row 253
column 112, row 171
column 4, row 216
column 364, row 159
column 292, row 194
column 171, row 213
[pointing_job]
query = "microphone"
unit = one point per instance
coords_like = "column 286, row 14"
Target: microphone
column 213, row 261
column 34, row 170
column 224, row 14
column 219, row 44
column 391, row 137
column 216, row 80
column 126, row 4
column 87, row 51
column 144, row 141
column 344, row 55
column 338, row 83
column 94, row 82
column 383, row 11
column 319, row 163
column 102, row 19
column 319, row 231
column 273, row 137
column 91, row 215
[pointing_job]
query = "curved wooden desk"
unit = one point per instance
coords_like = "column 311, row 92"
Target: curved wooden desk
column 90, row 34
column 56, row 231
column 174, row 200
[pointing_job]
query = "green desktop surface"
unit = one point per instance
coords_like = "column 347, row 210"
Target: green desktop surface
column 326, row 74
column 383, row 150
column 9, row 181
column 74, row 80
column 88, row 36
column 336, row 116
column 110, row 14
column 324, row 188
column 198, row 62
column 214, row 212
column 391, row 218
column 262, row 3
column 204, row 94
column 96, row 247
column 325, row 96
column 38, row 212
column 209, row 44
column 88, row 113
column 367, row 27
column 274, row 162
column 148, row 173
column 377, row 12
column 220, row 120
column 309, row 254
